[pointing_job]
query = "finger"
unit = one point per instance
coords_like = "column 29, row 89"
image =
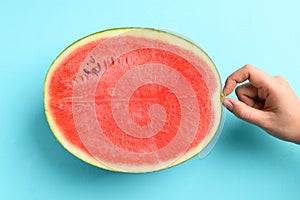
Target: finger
column 245, row 112
column 257, row 78
column 247, row 93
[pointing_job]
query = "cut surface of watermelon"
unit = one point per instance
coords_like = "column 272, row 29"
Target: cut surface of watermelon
column 133, row 99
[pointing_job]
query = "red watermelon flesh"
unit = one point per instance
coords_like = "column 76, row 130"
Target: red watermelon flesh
column 133, row 100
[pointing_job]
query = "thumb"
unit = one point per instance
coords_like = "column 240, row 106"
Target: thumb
column 245, row 112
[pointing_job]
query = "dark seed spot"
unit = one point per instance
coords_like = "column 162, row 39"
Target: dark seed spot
column 112, row 60
column 99, row 67
column 82, row 79
column 92, row 59
column 95, row 70
column 86, row 71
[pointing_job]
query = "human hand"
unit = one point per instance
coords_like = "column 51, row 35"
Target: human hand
column 266, row 101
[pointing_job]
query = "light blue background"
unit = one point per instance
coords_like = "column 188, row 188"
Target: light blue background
column 246, row 163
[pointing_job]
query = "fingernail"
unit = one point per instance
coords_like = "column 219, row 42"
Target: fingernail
column 228, row 104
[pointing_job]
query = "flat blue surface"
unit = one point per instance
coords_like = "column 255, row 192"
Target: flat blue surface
column 246, row 163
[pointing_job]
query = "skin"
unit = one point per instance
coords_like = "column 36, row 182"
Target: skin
column 266, row 101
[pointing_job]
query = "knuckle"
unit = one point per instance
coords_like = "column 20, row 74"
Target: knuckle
column 243, row 116
column 280, row 78
column 248, row 67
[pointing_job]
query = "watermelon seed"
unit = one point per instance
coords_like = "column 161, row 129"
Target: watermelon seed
column 92, row 59
column 112, row 60
column 99, row 66
column 95, row 69
column 86, row 71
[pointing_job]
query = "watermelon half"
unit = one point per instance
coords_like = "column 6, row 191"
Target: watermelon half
column 133, row 99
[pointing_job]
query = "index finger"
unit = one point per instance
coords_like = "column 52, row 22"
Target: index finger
column 256, row 77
